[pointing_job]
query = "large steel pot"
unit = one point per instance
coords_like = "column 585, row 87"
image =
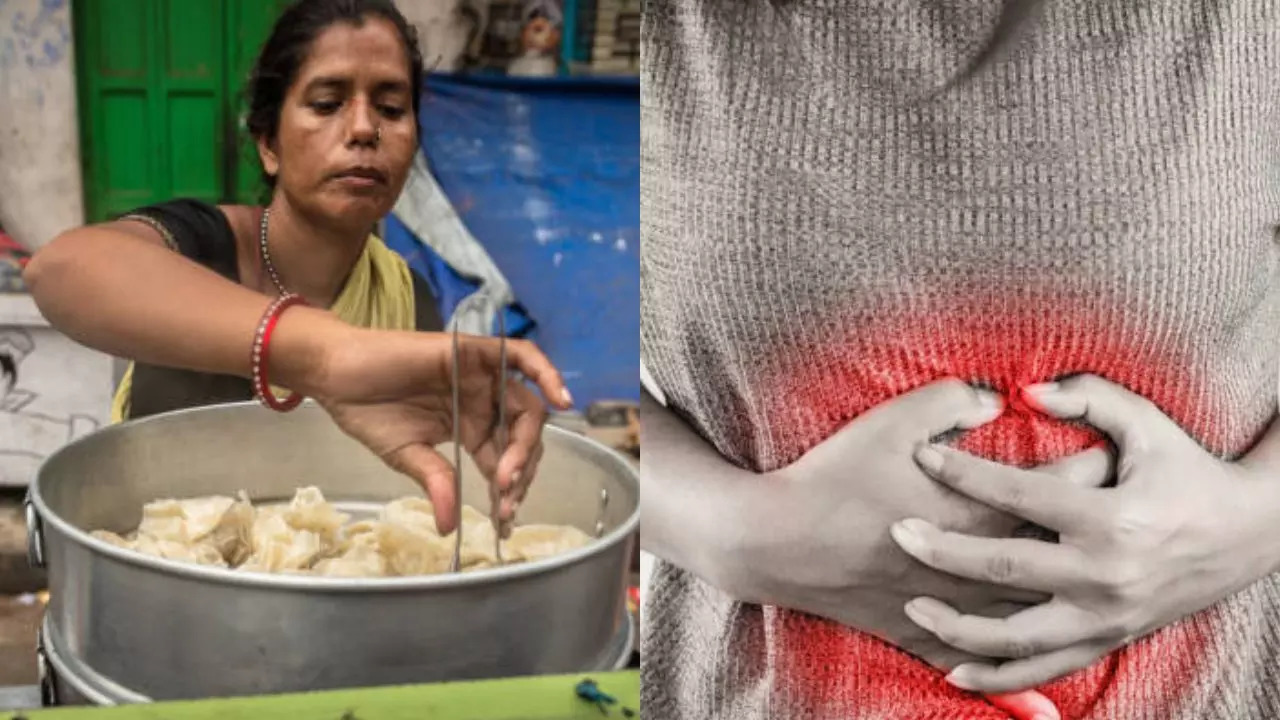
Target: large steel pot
column 148, row 628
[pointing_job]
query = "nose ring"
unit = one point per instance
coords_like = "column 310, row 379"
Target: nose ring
column 378, row 134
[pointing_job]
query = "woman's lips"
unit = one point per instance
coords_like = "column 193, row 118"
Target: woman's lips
column 361, row 177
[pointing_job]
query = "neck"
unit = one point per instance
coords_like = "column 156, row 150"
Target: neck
column 312, row 257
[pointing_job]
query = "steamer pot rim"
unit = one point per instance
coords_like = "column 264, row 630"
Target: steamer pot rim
column 225, row 576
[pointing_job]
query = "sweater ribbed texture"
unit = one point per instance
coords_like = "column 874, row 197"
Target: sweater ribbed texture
column 842, row 201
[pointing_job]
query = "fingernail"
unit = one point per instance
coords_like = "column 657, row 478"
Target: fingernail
column 918, row 616
column 929, row 458
column 1039, row 390
column 515, row 480
column 1042, row 716
column 566, row 397
column 960, row 677
column 909, row 534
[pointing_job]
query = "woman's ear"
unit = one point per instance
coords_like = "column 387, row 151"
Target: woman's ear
column 267, row 154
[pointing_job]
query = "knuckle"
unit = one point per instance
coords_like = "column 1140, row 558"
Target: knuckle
column 1019, row 648
column 1087, row 384
column 521, row 348
column 1128, row 524
column 929, row 555
column 1137, row 448
column 1120, row 581
column 1010, row 495
column 948, row 633
column 1000, row 568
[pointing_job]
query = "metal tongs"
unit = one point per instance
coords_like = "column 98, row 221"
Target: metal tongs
column 499, row 437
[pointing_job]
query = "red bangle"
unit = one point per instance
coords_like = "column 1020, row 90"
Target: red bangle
column 261, row 353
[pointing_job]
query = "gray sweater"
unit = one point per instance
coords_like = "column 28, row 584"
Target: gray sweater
column 845, row 200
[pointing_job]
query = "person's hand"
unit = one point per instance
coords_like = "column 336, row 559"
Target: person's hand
column 393, row 392
column 820, row 543
column 1180, row 530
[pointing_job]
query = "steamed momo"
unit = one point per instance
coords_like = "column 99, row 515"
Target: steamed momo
column 310, row 536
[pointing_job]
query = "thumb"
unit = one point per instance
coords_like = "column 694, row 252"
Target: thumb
column 422, row 463
column 1026, row 705
column 1129, row 419
column 935, row 409
column 1090, row 468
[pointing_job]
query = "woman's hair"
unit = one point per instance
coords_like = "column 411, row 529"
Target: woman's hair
column 290, row 41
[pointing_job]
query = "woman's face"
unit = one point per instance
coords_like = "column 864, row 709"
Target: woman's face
column 329, row 157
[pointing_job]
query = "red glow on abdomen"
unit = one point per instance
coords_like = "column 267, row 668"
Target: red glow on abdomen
column 825, row 384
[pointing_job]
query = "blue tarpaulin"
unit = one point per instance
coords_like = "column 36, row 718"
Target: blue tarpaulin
column 546, row 175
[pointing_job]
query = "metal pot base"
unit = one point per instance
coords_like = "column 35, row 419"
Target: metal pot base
column 66, row 680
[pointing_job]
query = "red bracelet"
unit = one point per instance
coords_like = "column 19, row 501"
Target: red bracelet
column 261, row 353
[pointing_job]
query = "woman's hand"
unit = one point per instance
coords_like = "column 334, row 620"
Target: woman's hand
column 817, row 537
column 393, row 392
column 1179, row 531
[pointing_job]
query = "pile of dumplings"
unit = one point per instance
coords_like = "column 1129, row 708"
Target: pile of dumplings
column 309, row 536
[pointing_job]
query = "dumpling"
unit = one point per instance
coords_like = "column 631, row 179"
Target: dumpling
column 201, row 553
column 361, row 532
column 183, row 520
column 535, row 542
column 411, row 512
column 233, row 536
column 478, row 536
column 413, row 553
column 216, row 521
column 309, row 536
column 279, row 546
column 362, row 559
column 309, row 511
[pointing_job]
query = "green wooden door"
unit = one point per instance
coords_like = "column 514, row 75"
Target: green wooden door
column 248, row 24
column 160, row 83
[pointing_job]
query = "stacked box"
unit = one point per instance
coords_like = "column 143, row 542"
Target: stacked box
column 616, row 36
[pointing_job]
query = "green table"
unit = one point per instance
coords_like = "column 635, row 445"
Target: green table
column 535, row 698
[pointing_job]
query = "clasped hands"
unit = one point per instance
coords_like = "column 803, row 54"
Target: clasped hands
column 1178, row 530
column 1150, row 531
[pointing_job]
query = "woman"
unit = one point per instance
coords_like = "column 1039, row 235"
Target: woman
column 866, row 229
column 187, row 289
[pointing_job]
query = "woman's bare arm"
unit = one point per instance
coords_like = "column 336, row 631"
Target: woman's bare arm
column 115, row 287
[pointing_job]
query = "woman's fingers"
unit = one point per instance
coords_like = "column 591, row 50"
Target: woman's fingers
column 518, row 493
column 519, row 462
column 1013, row 562
column 511, row 470
column 1026, row 672
column 524, row 356
column 1036, row 630
column 422, row 463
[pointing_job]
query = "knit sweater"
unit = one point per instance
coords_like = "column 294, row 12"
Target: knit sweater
column 843, row 201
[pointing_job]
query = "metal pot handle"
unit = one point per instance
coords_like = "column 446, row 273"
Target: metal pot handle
column 48, row 685
column 35, row 534
column 604, row 505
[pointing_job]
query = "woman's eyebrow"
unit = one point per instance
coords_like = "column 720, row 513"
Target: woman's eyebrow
column 391, row 86
column 326, row 82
